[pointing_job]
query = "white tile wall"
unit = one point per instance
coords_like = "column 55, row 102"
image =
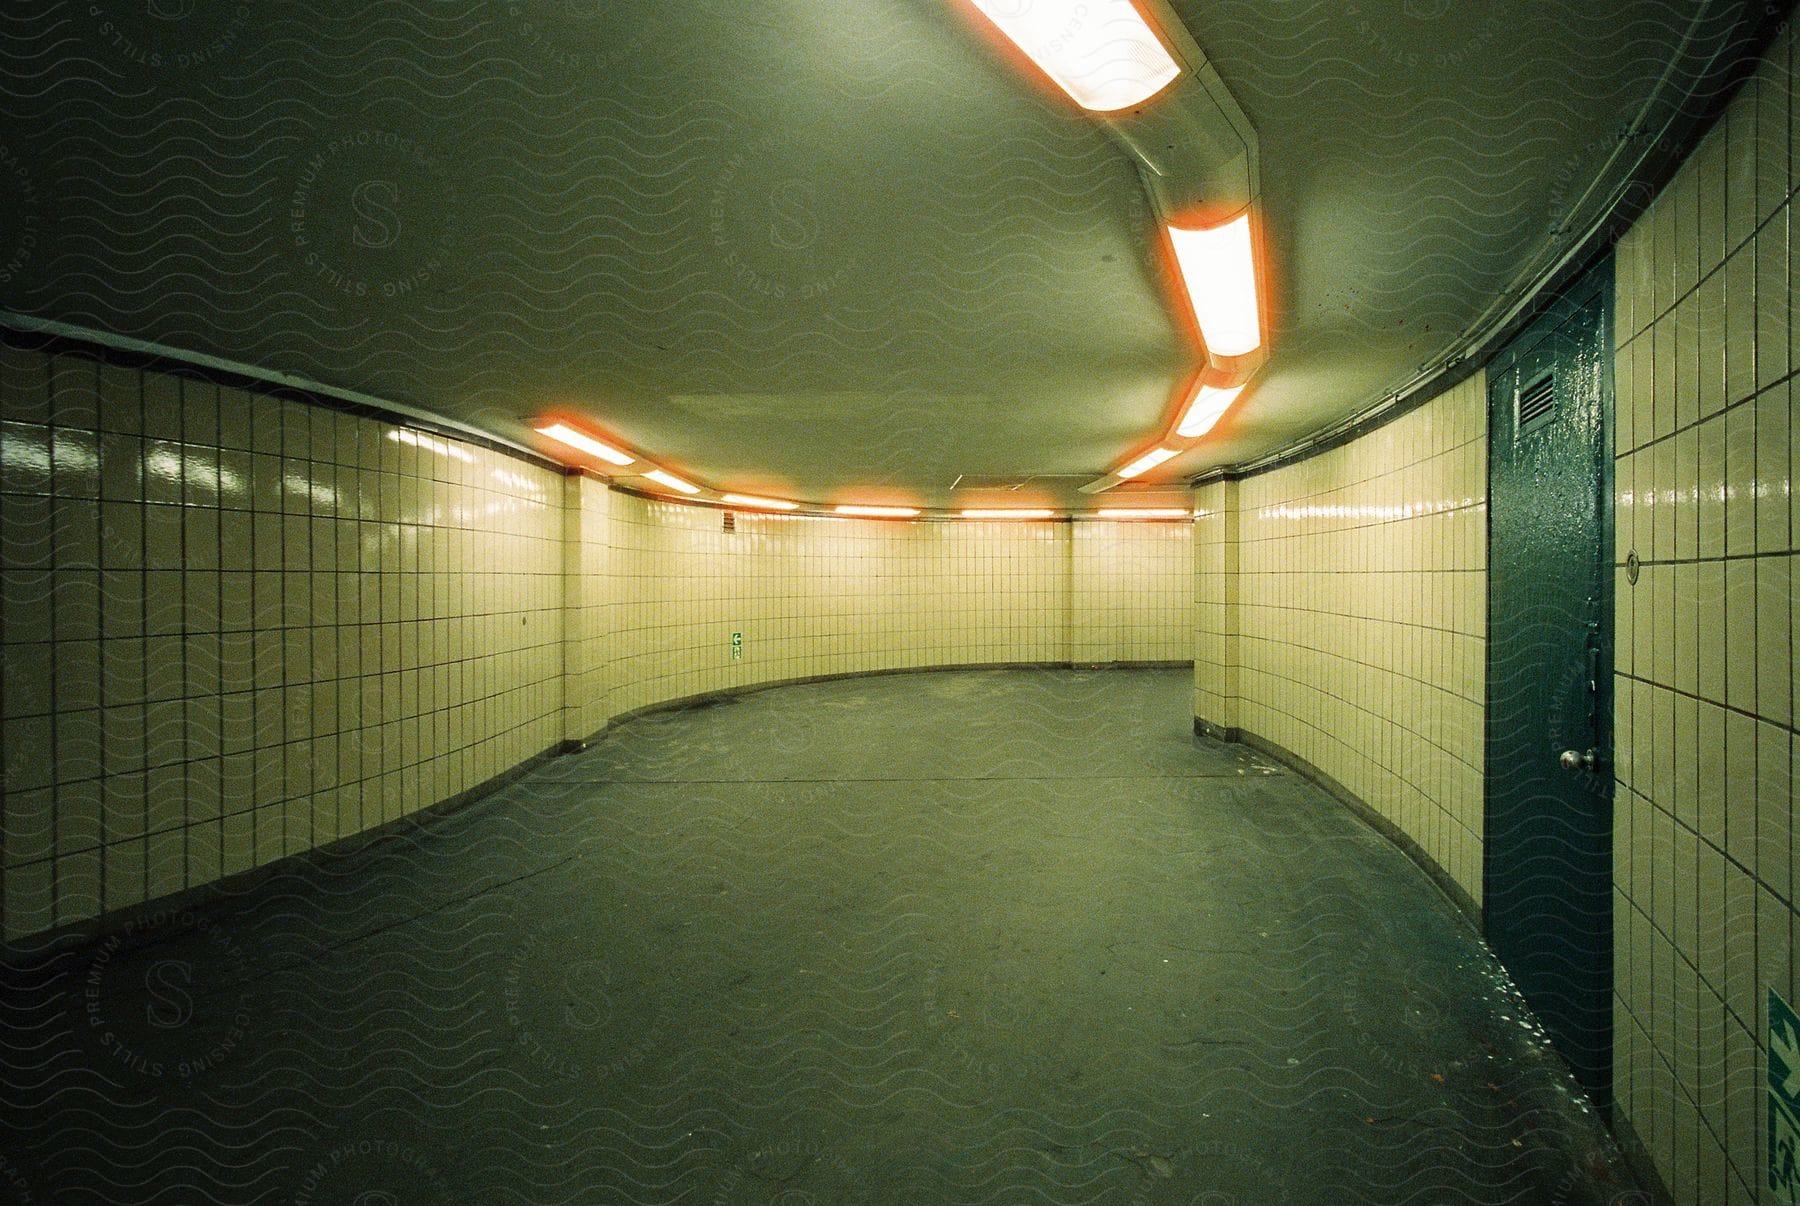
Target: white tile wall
column 1704, row 710
column 1341, row 604
column 236, row 626
column 1133, row 592
column 1217, row 654
column 587, row 583
column 818, row 596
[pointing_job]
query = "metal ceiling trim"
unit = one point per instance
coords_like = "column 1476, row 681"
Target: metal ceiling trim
column 238, row 374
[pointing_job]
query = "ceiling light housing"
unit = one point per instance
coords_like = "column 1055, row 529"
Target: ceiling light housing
column 866, row 512
column 760, row 504
column 1101, row 52
column 581, row 441
column 1194, row 145
column 1001, row 513
column 1209, row 406
column 1147, row 462
column 1218, row 269
column 664, row 478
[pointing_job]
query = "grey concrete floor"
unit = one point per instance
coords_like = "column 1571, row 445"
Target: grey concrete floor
column 1000, row 936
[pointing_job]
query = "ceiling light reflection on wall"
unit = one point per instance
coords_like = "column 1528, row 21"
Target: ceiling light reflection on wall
column 582, row 442
column 879, row 512
column 764, row 504
column 1218, row 266
column 1101, row 52
column 1144, row 513
column 671, row 481
column 1005, row 514
column 1209, row 407
column 1147, row 462
column 401, row 435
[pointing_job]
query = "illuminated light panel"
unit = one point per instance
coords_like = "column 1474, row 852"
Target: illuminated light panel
column 1208, row 408
column 1144, row 513
column 581, row 441
column 766, row 504
column 1101, row 52
column 879, row 512
column 1147, row 462
column 1003, row 514
column 1218, row 266
column 671, row 481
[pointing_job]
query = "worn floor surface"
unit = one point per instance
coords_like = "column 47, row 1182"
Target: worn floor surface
column 1011, row 936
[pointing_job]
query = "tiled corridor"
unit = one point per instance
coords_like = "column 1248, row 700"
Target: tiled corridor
column 983, row 936
column 923, row 601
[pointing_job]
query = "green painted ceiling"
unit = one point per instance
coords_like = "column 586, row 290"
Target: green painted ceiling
column 812, row 246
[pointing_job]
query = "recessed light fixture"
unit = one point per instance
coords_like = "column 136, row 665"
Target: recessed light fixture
column 878, row 512
column 671, row 481
column 1023, row 513
column 763, row 504
column 1209, row 407
column 1218, row 266
column 581, row 441
column 1147, row 462
column 1101, row 52
column 1144, row 513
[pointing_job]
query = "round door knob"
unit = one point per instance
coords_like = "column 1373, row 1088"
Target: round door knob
column 1574, row 760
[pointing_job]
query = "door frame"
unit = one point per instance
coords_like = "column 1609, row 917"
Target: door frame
column 1595, row 280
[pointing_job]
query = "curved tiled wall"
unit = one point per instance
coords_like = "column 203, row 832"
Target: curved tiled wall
column 1341, row 618
column 1703, row 830
column 1342, row 611
column 236, row 627
column 815, row 596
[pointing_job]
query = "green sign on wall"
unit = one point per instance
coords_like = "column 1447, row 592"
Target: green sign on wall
column 737, row 646
column 1784, row 1100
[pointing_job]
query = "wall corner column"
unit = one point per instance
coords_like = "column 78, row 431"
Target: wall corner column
column 1216, row 646
column 584, row 581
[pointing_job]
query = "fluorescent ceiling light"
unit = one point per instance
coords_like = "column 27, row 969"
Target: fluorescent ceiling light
column 671, row 481
column 583, row 442
column 1218, row 266
column 1209, row 407
column 1101, row 52
column 1147, row 462
column 1144, row 513
column 767, row 504
column 879, row 512
column 1003, row 514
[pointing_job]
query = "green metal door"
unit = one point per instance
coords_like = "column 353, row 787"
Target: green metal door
column 1548, row 876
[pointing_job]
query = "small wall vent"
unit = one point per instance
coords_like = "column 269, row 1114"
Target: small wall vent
column 731, row 521
column 1537, row 402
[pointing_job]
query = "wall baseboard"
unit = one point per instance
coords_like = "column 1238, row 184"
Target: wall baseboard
column 1453, row 891
column 703, row 698
column 1206, row 728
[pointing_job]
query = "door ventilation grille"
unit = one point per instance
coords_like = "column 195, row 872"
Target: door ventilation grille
column 1537, row 402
